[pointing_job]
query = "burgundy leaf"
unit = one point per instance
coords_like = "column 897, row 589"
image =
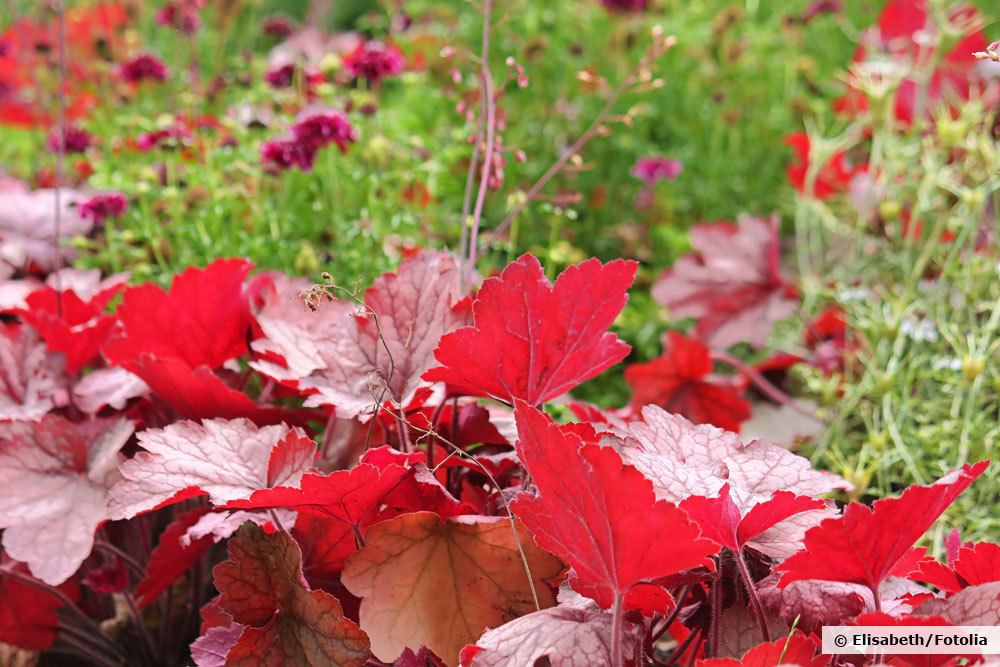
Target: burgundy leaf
column 287, row 624
column 28, row 614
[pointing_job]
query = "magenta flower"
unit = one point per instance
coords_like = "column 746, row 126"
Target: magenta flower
column 319, row 127
column 625, row 6
column 74, row 139
column 651, row 170
column 280, row 77
column 283, row 153
column 277, row 26
column 374, row 61
column 102, row 206
column 181, row 15
column 143, row 67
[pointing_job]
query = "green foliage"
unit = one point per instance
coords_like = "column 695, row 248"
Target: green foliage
column 917, row 279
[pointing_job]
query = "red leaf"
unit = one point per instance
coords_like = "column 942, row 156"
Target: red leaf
column 351, row 497
column 336, row 352
column 599, row 515
column 109, row 578
column 71, row 325
column 833, row 177
column 532, row 340
column 978, row 563
column 422, row 658
column 203, row 320
column 864, row 544
column 731, row 284
column 764, row 516
column 472, row 423
column 970, row 564
column 288, row 624
column 681, row 382
column 720, row 519
column 798, row 649
column 899, row 37
column 420, row 491
column 27, row 614
column 223, row 459
column 326, row 544
column 55, row 478
column 197, row 393
column 173, row 340
column 172, row 557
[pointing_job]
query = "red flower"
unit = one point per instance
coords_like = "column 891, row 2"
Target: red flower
column 625, row 6
column 143, row 67
column 277, row 26
column 832, row 178
column 74, row 139
column 319, row 127
column 287, row 152
column 102, row 206
column 897, row 36
column 280, row 77
column 182, row 16
column 374, row 61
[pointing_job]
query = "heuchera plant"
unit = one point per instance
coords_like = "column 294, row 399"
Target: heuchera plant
column 245, row 468
column 424, row 525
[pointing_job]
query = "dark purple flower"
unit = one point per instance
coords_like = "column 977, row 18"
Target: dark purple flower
column 280, row 77
column 181, row 15
column 374, row 61
column 319, row 127
column 625, row 6
column 102, row 206
column 277, row 26
column 143, row 67
column 286, row 152
column 650, row 170
column 74, row 139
